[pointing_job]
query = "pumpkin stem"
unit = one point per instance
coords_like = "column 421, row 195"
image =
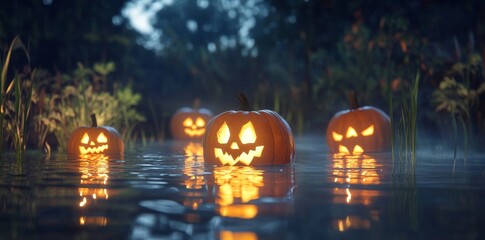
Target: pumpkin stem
column 243, row 100
column 93, row 120
column 354, row 104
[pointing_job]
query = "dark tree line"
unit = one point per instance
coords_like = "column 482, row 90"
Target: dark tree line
column 282, row 61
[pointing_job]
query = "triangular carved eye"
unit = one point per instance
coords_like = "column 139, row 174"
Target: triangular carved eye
column 223, row 134
column 368, row 131
column 247, row 134
column 85, row 139
column 351, row 133
column 188, row 122
column 337, row 137
column 199, row 122
column 102, row 138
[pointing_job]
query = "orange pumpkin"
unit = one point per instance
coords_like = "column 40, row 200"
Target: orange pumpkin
column 190, row 123
column 95, row 140
column 358, row 130
column 248, row 137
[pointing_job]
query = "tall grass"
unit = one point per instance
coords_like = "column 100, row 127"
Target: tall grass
column 22, row 106
column 17, row 114
column 404, row 128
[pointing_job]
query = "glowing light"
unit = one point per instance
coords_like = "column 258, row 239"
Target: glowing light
column 223, row 134
column 85, row 139
column 357, row 150
column 83, row 202
column 87, row 150
column 237, row 187
column 228, row 235
column 100, row 221
column 337, row 137
column 349, row 195
column 343, row 149
column 247, row 134
column 368, row 131
column 199, row 122
column 245, row 211
column 244, row 157
column 188, row 122
column 102, row 138
column 351, row 133
column 234, row 145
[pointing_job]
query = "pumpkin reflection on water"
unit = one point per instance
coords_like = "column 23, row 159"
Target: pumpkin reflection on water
column 94, row 169
column 194, row 165
column 352, row 170
column 237, row 187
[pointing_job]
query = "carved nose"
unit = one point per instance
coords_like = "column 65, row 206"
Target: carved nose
column 234, row 145
column 92, row 143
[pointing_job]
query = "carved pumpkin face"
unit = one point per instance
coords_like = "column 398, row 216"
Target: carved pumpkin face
column 248, row 138
column 190, row 123
column 95, row 140
column 359, row 130
column 240, row 146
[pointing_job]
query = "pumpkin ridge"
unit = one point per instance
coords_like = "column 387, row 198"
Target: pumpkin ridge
column 281, row 136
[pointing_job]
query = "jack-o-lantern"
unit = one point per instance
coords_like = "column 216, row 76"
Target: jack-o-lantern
column 95, row 140
column 359, row 130
column 248, row 137
column 190, row 123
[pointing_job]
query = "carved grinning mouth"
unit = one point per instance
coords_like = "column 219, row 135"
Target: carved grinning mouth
column 357, row 150
column 194, row 132
column 86, row 150
column 244, row 157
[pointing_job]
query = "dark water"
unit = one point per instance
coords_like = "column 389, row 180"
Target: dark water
column 166, row 192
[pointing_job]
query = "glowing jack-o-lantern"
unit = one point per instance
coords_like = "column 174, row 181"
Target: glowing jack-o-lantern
column 359, row 130
column 95, row 140
column 248, row 138
column 190, row 123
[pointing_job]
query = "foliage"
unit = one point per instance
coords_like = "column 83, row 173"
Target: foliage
column 371, row 62
column 70, row 105
column 15, row 103
column 460, row 95
column 455, row 93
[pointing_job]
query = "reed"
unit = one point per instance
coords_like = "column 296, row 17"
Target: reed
column 17, row 117
column 404, row 130
column 23, row 103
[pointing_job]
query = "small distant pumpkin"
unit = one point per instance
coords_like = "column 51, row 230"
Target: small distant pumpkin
column 190, row 123
column 359, row 129
column 95, row 140
column 248, row 137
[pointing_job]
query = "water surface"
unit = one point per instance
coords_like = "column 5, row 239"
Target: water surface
column 165, row 191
